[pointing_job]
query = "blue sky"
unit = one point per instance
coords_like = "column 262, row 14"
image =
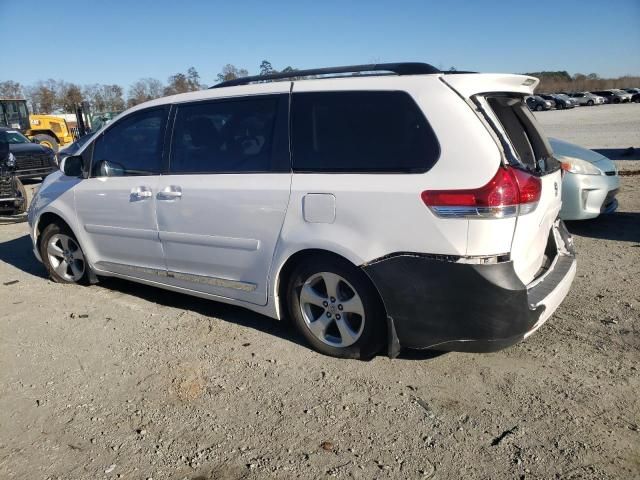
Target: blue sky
column 120, row 41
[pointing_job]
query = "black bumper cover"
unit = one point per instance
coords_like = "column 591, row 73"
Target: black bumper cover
column 443, row 305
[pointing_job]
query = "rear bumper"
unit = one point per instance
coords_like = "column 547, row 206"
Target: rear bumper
column 447, row 305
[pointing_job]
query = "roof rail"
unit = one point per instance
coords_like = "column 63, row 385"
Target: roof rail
column 407, row 68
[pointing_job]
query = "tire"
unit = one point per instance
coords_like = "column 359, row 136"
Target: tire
column 590, row 103
column 47, row 141
column 22, row 192
column 336, row 308
column 616, row 100
column 59, row 246
column 559, row 106
column 539, row 108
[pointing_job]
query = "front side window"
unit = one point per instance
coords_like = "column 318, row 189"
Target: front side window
column 132, row 146
column 228, row 136
column 364, row 131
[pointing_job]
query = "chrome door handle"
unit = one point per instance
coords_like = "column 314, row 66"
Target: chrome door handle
column 171, row 192
column 140, row 193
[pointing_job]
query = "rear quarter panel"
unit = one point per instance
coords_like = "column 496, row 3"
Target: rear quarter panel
column 381, row 214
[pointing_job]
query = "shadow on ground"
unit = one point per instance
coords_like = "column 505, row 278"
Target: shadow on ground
column 630, row 153
column 18, row 253
column 620, row 226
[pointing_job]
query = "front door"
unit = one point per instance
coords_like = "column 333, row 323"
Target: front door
column 221, row 208
column 116, row 205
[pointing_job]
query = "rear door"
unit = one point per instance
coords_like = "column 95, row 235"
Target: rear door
column 499, row 101
column 221, row 207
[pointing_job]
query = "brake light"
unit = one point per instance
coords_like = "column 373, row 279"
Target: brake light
column 509, row 193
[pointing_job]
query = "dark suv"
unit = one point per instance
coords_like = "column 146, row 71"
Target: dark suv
column 32, row 159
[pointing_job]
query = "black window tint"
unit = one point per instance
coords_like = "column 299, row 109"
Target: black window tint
column 360, row 132
column 228, row 136
column 132, row 146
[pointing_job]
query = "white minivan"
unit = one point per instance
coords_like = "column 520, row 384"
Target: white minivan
column 376, row 206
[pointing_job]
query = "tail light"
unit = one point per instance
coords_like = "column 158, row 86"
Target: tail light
column 509, row 193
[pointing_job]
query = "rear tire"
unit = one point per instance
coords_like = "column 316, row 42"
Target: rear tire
column 539, row 108
column 336, row 308
column 47, row 141
column 590, row 103
column 62, row 255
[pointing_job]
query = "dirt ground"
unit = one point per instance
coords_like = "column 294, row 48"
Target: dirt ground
column 119, row 380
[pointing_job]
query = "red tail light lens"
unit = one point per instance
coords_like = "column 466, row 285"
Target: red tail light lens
column 509, row 192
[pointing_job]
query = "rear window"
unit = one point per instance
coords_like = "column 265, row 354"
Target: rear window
column 531, row 147
column 360, row 132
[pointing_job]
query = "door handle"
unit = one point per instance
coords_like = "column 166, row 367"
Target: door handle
column 140, row 193
column 172, row 192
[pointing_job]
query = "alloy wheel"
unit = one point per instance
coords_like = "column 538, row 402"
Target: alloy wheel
column 65, row 257
column 332, row 309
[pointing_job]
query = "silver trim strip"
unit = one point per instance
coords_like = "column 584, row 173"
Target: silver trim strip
column 188, row 277
column 146, row 234
column 210, row 241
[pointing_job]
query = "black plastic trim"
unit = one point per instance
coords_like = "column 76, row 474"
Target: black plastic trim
column 453, row 306
column 407, row 68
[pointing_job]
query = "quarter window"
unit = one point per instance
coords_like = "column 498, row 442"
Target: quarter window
column 132, row 146
column 230, row 136
column 360, row 132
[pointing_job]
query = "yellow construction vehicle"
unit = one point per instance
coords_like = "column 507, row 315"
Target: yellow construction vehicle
column 48, row 130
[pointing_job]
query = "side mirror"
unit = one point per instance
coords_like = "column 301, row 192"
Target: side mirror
column 72, row 166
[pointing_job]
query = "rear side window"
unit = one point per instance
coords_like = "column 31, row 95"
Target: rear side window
column 132, row 146
column 530, row 144
column 231, row 136
column 360, row 132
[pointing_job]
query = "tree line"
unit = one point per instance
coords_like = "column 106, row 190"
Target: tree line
column 50, row 95
column 561, row 81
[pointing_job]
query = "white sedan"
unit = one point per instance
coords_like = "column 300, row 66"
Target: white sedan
column 590, row 181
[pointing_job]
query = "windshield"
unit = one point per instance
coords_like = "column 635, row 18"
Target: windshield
column 14, row 137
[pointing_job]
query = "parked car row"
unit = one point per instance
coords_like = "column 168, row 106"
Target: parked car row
column 564, row 100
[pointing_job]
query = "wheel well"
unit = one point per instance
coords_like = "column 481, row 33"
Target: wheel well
column 47, row 219
column 296, row 259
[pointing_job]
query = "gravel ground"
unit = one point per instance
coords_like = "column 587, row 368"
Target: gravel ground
column 119, row 380
column 613, row 130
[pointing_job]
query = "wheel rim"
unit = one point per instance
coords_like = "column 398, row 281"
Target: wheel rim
column 332, row 309
column 65, row 257
column 47, row 144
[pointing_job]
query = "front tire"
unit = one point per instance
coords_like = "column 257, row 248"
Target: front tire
column 590, row 103
column 539, row 108
column 62, row 255
column 22, row 193
column 336, row 308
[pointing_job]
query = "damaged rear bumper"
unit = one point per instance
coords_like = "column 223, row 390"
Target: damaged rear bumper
column 471, row 307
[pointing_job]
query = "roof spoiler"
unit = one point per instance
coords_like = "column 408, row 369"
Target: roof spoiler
column 468, row 85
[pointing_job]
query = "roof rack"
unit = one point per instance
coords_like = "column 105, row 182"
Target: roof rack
column 407, row 68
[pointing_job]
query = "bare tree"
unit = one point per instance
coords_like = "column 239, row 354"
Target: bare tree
column 43, row 96
column 231, row 72
column 11, row 89
column 181, row 83
column 69, row 96
column 144, row 90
